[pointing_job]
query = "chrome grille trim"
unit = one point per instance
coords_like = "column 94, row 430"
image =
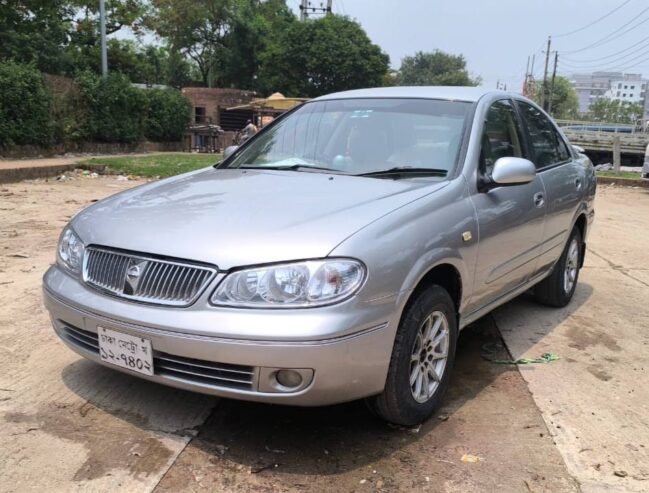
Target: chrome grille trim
column 161, row 282
column 190, row 370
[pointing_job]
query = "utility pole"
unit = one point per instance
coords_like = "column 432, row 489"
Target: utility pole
column 303, row 6
column 554, row 75
column 545, row 77
column 102, row 33
column 527, row 75
column 306, row 8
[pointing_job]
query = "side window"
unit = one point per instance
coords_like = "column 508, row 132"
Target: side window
column 548, row 146
column 501, row 136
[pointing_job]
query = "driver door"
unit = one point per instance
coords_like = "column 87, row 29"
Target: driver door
column 510, row 218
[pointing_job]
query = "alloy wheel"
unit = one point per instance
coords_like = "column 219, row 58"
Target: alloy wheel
column 572, row 266
column 429, row 356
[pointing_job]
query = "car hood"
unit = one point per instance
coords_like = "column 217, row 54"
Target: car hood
column 241, row 217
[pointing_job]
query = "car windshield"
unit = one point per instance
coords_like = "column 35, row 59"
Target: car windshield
column 360, row 136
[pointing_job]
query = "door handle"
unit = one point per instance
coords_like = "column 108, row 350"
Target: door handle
column 578, row 183
column 539, row 199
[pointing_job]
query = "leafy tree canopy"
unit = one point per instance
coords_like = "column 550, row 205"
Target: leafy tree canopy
column 24, row 106
column 169, row 113
column 321, row 56
column 563, row 101
column 35, row 31
column 434, row 69
column 613, row 111
column 115, row 110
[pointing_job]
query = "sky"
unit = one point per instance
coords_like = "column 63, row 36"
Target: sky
column 497, row 36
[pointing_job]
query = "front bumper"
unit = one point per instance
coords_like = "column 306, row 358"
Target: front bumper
column 349, row 360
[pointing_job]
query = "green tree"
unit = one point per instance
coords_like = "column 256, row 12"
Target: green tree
column 24, row 106
column 256, row 26
column 562, row 99
column 435, row 69
column 615, row 111
column 35, row 31
column 179, row 71
column 320, row 56
column 115, row 110
column 168, row 114
column 147, row 64
column 198, row 29
column 119, row 14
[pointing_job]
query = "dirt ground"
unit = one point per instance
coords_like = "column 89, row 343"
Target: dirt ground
column 579, row 423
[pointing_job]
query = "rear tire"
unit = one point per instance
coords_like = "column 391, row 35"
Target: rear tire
column 558, row 288
column 422, row 360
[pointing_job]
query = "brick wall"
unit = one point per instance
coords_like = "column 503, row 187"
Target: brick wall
column 212, row 99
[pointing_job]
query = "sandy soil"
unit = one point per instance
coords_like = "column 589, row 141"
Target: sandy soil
column 577, row 423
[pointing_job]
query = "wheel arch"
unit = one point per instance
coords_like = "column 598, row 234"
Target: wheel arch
column 581, row 223
column 443, row 274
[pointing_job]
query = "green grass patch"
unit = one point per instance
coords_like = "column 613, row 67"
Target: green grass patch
column 162, row 165
column 627, row 175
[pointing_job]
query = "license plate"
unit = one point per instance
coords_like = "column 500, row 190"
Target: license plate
column 132, row 353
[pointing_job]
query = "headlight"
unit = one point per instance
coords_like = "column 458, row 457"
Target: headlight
column 299, row 284
column 70, row 252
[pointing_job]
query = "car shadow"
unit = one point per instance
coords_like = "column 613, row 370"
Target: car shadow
column 322, row 441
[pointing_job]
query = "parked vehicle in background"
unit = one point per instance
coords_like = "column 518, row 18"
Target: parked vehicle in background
column 335, row 255
column 645, row 167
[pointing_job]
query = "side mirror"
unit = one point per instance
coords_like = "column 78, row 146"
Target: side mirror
column 579, row 149
column 513, row 171
column 229, row 151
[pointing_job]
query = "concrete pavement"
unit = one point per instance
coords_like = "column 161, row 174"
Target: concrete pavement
column 576, row 423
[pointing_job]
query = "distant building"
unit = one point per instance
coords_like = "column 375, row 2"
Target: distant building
column 631, row 91
column 617, row 86
column 212, row 127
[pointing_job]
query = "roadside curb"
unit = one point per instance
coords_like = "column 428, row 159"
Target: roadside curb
column 623, row 182
column 12, row 175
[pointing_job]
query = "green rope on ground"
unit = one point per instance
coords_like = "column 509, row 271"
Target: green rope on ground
column 490, row 349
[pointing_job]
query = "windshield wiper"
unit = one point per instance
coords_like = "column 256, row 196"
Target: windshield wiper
column 294, row 167
column 406, row 170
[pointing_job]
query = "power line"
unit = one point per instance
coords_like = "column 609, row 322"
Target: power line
column 611, row 36
column 620, row 61
column 614, row 67
column 594, row 22
column 612, row 55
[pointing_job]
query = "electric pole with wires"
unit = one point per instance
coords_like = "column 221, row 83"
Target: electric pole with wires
column 307, row 8
column 554, row 76
column 544, row 88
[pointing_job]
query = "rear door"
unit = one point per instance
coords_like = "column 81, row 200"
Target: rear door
column 563, row 178
column 510, row 218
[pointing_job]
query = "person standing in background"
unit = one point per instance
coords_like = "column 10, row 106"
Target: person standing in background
column 249, row 130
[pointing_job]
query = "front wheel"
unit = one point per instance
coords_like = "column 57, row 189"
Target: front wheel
column 557, row 289
column 422, row 358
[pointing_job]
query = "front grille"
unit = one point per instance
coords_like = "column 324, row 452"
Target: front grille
column 81, row 338
column 204, row 372
column 146, row 279
column 188, row 370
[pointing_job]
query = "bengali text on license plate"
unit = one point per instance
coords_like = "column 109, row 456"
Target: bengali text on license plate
column 127, row 351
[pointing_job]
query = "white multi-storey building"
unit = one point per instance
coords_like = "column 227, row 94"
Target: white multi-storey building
column 631, row 91
column 631, row 88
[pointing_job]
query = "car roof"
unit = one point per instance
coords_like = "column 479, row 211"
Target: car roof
column 454, row 93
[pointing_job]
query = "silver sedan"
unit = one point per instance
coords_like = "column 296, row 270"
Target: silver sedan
column 335, row 255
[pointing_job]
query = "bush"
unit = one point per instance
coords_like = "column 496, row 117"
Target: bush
column 24, row 106
column 169, row 113
column 115, row 110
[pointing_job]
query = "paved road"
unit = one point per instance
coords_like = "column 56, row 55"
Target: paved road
column 68, row 424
